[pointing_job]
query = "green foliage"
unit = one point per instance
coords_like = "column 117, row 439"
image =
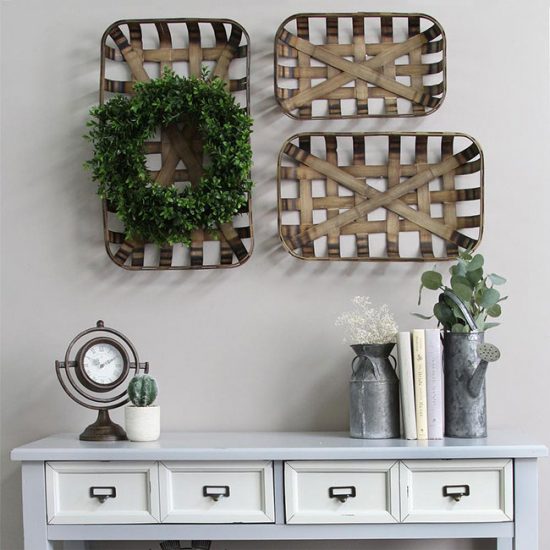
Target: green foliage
column 472, row 287
column 142, row 390
column 151, row 212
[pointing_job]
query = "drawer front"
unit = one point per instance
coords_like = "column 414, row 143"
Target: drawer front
column 456, row 491
column 217, row 492
column 102, row 492
column 342, row 491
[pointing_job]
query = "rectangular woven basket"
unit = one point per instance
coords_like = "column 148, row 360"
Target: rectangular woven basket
column 137, row 50
column 353, row 65
column 380, row 196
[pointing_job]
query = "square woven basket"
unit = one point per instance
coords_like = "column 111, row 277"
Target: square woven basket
column 380, row 196
column 136, row 50
column 353, row 65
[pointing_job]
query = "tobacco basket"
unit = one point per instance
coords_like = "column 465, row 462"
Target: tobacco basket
column 380, row 196
column 353, row 65
column 136, row 50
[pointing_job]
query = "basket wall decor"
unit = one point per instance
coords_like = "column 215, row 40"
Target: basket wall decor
column 380, row 196
column 352, row 65
column 137, row 50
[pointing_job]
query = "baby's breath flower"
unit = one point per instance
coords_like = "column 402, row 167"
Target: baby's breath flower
column 367, row 324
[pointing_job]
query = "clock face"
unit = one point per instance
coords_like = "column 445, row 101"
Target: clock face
column 103, row 363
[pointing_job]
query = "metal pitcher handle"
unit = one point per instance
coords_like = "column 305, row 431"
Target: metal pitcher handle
column 394, row 362
column 360, row 357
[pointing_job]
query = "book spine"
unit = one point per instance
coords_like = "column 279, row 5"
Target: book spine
column 406, row 384
column 434, row 383
column 419, row 362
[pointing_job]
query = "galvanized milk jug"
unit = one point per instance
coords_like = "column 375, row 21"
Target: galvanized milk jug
column 374, row 393
column 466, row 358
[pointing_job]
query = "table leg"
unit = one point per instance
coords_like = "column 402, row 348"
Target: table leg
column 505, row 544
column 526, row 506
column 34, row 507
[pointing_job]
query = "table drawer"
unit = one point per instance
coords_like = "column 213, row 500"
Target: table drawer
column 342, row 491
column 448, row 491
column 102, row 492
column 217, row 492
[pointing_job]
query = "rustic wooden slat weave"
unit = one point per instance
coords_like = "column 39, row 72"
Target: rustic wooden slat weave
column 344, row 65
column 428, row 185
column 138, row 50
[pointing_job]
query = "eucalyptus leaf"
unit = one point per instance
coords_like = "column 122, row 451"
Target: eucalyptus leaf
column 425, row 317
column 454, row 308
column 491, row 325
column 488, row 298
column 432, row 279
column 462, row 287
column 494, row 311
column 475, row 276
column 444, row 314
column 476, row 263
column 497, row 279
column 459, row 268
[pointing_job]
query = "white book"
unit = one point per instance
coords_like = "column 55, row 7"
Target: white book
column 434, row 383
column 406, row 384
column 419, row 362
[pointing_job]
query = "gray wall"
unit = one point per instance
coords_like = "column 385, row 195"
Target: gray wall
column 254, row 348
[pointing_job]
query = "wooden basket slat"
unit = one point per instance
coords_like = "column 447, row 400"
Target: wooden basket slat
column 394, row 178
column 350, row 93
column 158, row 55
column 409, row 69
column 334, row 106
column 377, row 171
column 423, row 195
column 175, row 144
column 365, row 228
column 333, row 237
column 347, row 50
column 408, row 194
column 415, row 60
column 339, row 202
column 377, row 70
column 449, row 206
column 362, row 237
column 306, row 212
column 390, row 101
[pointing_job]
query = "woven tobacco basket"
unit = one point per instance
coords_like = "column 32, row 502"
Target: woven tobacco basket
column 380, row 196
column 137, row 50
column 353, row 65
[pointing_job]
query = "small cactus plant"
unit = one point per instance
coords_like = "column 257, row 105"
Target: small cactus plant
column 142, row 390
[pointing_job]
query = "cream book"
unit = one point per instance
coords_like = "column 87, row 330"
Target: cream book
column 434, row 383
column 406, row 384
column 419, row 362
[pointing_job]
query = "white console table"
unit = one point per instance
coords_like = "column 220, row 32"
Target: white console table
column 291, row 486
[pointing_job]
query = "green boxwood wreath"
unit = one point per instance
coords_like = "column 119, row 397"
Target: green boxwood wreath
column 154, row 213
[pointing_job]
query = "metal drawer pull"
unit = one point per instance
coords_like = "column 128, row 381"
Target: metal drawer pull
column 456, row 492
column 102, row 493
column 215, row 492
column 342, row 493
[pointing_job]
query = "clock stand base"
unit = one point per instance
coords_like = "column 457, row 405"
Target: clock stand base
column 103, row 429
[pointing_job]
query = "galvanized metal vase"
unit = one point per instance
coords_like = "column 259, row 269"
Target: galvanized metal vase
column 374, row 393
column 465, row 401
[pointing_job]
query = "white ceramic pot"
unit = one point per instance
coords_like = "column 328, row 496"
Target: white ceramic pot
column 142, row 423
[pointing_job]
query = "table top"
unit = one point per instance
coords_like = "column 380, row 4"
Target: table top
column 278, row 446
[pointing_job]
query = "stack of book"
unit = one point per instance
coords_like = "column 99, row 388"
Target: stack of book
column 420, row 362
